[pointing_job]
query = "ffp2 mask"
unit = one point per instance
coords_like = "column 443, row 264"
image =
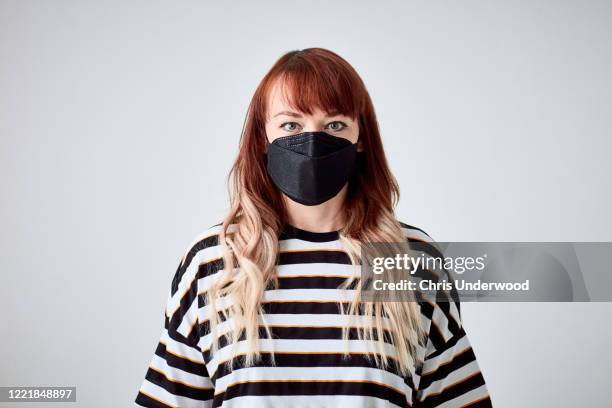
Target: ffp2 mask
column 310, row 167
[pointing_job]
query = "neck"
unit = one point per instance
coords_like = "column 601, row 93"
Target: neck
column 325, row 217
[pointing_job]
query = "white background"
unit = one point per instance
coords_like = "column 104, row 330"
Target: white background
column 119, row 122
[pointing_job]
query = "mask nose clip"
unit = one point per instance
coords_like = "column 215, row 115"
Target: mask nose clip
column 313, row 144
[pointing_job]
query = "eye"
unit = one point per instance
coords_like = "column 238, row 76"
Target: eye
column 287, row 128
column 339, row 125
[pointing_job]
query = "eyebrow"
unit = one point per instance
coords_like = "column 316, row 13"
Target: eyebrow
column 297, row 115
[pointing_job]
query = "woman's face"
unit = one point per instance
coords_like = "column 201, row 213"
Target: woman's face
column 283, row 121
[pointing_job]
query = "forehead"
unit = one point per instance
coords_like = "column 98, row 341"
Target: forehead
column 280, row 99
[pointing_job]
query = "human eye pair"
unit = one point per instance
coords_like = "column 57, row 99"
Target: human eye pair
column 339, row 125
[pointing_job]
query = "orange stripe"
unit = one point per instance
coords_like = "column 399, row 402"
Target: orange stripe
column 294, row 301
column 314, row 276
column 356, row 353
column 158, row 400
column 437, row 328
column 308, row 327
column 447, row 362
column 288, row 251
column 451, row 385
column 289, row 326
column 486, row 397
column 179, row 355
column 310, row 381
column 314, row 327
column 178, row 381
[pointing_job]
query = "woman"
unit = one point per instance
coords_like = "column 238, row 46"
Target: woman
column 285, row 328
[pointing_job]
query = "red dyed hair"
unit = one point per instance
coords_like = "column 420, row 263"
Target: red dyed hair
column 308, row 79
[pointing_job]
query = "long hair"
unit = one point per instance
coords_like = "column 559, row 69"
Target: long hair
column 309, row 78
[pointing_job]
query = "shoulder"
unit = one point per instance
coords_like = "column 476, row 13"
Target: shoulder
column 415, row 233
column 202, row 256
column 203, row 244
column 422, row 242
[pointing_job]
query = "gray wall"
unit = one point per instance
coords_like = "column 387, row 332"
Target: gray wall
column 119, row 122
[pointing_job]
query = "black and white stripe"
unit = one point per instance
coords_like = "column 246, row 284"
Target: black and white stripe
column 306, row 324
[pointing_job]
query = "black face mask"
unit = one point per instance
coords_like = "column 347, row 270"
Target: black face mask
column 311, row 167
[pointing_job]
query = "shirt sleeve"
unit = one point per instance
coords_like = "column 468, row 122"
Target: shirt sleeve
column 177, row 374
column 450, row 376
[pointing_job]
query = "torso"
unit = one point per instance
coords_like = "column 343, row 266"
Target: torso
column 311, row 370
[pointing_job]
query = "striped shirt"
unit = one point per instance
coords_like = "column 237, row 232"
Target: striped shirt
column 306, row 322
